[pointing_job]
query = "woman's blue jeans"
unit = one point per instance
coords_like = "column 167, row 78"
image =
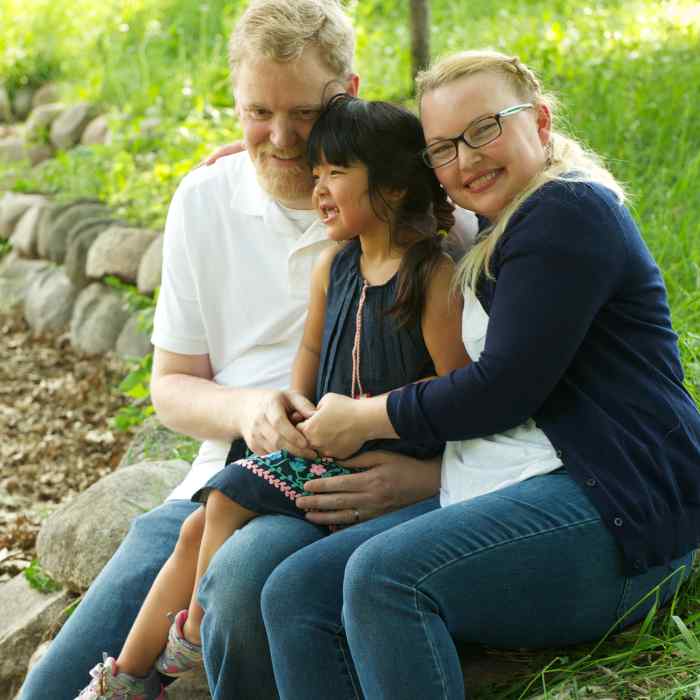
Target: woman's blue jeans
column 373, row 614
column 237, row 658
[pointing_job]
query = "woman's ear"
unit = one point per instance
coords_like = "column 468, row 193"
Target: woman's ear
column 544, row 123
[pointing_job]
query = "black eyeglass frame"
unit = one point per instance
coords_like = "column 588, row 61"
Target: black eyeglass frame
column 507, row 112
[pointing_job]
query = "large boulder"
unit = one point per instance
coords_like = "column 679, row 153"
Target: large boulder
column 150, row 267
column 49, row 301
column 96, row 132
column 26, row 616
column 80, row 239
column 118, row 251
column 78, row 539
column 133, row 342
column 24, row 237
column 12, row 206
column 98, row 318
column 68, row 128
column 16, row 276
column 37, row 127
column 64, row 222
column 48, row 215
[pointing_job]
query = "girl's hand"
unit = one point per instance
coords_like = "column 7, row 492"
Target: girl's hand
column 391, row 481
column 337, row 429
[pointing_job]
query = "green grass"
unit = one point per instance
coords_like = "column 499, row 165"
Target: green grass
column 627, row 73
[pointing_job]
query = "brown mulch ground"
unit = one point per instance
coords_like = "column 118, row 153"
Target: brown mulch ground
column 55, row 432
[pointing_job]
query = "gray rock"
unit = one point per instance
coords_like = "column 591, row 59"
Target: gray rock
column 98, row 318
column 48, row 215
column 49, row 301
column 78, row 539
column 22, row 103
column 96, row 132
column 46, row 94
column 118, row 251
column 80, row 238
column 68, row 128
column 12, row 149
column 24, row 237
column 5, row 107
column 26, row 616
column 150, row 268
column 63, row 223
column 38, row 153
column 37, row 127
column 132, row 341
column 16, row 276
column 12, row 206
column 153, row 442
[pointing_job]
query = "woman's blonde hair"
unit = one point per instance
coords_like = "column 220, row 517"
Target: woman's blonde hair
column 564, row 154
column 282, row 29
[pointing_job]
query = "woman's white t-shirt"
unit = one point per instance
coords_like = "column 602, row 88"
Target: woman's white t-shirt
column 475, row 467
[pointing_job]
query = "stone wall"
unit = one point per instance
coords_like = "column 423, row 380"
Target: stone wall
column 35, row 124
column 61, row 253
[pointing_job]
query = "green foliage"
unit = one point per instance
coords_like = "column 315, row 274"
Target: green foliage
column 5, row 248
column 136, row 386
column 39, row 579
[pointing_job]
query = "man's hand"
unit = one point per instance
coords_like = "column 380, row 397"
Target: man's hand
column 391, row 481
column 268, row 424
column 227, row 150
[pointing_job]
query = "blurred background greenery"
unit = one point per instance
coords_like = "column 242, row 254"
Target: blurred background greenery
column 627, row 73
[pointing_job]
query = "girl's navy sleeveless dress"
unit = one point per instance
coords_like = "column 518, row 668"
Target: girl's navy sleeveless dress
column 389, row 358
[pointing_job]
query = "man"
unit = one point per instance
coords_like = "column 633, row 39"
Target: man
column 240, row 242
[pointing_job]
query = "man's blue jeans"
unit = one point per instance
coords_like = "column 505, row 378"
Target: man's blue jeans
column 237, row 656
column 362, row 615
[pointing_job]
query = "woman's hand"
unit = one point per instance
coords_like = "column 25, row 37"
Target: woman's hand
column 341, row 425
column 270, row 423
column 391, row 481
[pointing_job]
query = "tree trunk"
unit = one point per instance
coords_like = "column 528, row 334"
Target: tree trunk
column 420, row 35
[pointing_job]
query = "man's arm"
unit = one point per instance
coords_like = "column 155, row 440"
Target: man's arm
column 188, row 401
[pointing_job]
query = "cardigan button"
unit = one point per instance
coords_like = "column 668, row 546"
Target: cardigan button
column 591, row 482
column 618, row 522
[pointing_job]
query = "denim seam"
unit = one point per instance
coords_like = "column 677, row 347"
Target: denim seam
column 433, row 651
column 623, row 603
column 357, row 695
column 503, row 544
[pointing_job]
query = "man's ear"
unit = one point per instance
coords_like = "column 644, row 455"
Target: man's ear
column 353, row 85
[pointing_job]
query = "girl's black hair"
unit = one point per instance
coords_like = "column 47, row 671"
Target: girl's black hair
column 388, row 140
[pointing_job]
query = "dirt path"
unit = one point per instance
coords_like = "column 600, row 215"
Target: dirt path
column 55, row 434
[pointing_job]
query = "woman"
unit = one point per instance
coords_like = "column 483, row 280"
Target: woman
column 579, row 339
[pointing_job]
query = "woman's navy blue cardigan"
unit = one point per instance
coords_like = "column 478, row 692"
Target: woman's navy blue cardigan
column 580, row 339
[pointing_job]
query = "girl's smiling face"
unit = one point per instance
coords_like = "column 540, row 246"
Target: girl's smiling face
column 341, row 197
column 485, row 180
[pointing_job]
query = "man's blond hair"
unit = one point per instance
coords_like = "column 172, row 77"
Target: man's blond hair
column 281, row 29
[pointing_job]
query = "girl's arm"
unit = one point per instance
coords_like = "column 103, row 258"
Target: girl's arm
column 305, row 367
column 441, row 320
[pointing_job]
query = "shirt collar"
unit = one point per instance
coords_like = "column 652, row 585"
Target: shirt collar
column 248, row 197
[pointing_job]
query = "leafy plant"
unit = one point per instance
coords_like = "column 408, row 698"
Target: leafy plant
column 39, row 579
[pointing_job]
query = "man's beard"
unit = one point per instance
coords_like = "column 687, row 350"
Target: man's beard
column 283, row 183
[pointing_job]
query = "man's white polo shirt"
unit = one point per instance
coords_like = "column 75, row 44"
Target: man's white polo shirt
column 235, row 286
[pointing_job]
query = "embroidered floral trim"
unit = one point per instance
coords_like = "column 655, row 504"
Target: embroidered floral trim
column 289, row 473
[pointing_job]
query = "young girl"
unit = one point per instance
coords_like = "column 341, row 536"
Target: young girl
column 381, row 315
